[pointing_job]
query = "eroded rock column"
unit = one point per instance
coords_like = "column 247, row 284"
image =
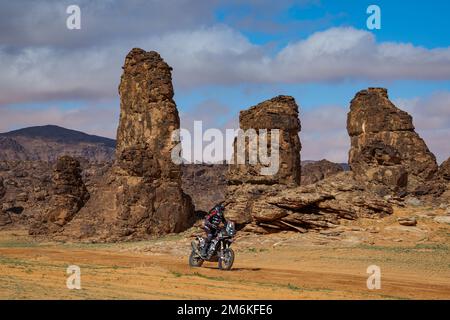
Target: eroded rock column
column 246, row 181
column 150, row 196
column 141, row 196
column 279, row 113
column 385, row 149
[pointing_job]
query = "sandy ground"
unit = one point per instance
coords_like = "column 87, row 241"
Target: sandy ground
column 414, row 264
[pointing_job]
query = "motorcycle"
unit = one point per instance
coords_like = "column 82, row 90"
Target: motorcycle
column 219, row 249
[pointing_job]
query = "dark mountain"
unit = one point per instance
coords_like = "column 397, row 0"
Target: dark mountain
column 314, row 171
column 344, row 165
column 59, row 134
column 48, row 142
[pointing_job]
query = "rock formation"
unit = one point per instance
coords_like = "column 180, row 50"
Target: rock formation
column 151, row 180
column 30, row 187
column 317, row 206
column 11, row 150
column 2, row 188
column 278, row 113
column 246, row 183
column 4, row 216
column 142, row 194
column 69, row 194
column 27, row 185
column 440, row 186
column 444, row 170
column 385, row 150
column 315, row 171
column 205, row 184
column 269, row 204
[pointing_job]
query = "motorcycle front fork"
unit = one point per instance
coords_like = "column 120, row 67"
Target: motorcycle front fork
column 223, row 247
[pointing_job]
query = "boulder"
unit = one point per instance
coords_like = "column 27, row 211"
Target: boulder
column 31, row 187
column 408, row 221
column 442, row 219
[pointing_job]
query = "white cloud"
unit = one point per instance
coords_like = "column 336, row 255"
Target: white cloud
column 43, row 23
column 324, row 134
column 215, row 55
column 212, row 115
column 431, row 117
column 218, row 54
column 344, row 53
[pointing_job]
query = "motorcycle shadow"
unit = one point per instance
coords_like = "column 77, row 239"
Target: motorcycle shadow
column 233, row 269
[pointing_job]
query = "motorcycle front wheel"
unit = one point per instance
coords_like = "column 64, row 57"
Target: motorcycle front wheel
column 195, row 260
column 226, row 262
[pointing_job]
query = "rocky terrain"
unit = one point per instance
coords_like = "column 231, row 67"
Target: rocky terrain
column 444, row 170
column 314, row 171
column 266, row 204
column 440, row 184
column 28, row 187
column 69, row 195
column 142, row 193
column 47, row 143
column 319, row 206
column 205, row 184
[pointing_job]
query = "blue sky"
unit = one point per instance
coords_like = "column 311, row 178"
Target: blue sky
column 228, row 56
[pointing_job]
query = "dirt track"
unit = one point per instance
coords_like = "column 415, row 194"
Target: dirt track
column 414, row 262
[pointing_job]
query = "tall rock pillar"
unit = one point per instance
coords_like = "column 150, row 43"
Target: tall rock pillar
column 141, row 195
column 246, row 181
column 150, row 193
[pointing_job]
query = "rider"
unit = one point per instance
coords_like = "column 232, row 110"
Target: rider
column 211, row 226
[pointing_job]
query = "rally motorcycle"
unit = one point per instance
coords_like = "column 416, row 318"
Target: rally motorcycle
column 219, row 249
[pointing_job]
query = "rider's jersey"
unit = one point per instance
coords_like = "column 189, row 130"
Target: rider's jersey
column 214, row 218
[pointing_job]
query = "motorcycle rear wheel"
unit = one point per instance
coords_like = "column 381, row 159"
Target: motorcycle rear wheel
column 226, row 264
column 195, row 260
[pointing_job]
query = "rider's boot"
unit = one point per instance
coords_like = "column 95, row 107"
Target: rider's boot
column 204, row 252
